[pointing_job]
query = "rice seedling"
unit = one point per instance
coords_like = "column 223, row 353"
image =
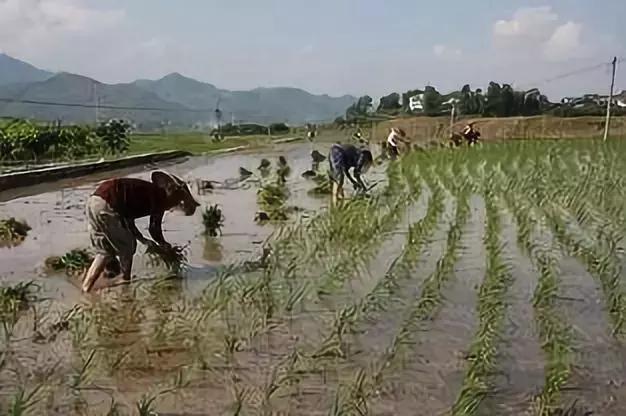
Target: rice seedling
column 213, row 220
column 323, row 185
column 491, row 310
column 317, row 157
column 12, row 231
column 272, row 199
column 73, row 262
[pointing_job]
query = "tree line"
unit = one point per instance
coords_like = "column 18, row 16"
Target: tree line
column 498, row 101
column 25, row 140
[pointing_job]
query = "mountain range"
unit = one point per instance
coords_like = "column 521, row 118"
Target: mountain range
column 175, row 99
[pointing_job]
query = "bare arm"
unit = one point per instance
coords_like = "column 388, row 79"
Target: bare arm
column 357, row 176
column 138, row 235
column 155, row 228
column 356, row 183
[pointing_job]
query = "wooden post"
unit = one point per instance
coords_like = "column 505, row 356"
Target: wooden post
column 608, row 104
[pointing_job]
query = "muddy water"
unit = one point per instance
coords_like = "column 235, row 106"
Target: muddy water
column 521, row 360
column 599, row 373
column 432, row 373
column 58, row 221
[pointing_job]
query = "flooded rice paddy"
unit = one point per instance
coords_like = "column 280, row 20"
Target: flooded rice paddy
column 473, row 282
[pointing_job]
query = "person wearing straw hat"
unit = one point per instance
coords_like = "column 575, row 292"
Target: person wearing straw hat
column 111, row 213
column 395, row 135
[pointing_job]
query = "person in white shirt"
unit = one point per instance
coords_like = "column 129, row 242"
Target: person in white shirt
column 396, row 135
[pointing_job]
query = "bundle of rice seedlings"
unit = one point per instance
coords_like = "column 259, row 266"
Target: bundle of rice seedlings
column 283, row 170
column 317, row 156
column 13, row 231
column 16, row 298
column 324, row 185
column 265, row 164
column 213, row 220
column 73, row 262
column 244, row 173
column 309, row 174
column 172, row 257
column 271, row 196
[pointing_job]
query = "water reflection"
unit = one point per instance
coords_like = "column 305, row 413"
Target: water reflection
column 213, row 250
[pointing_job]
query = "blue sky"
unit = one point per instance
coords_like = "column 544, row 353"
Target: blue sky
column 324, row 46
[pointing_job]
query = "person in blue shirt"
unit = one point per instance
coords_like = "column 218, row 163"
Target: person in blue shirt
column 342, row 158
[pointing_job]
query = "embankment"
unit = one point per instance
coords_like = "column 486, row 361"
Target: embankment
column 37, row 176
column 538, row 127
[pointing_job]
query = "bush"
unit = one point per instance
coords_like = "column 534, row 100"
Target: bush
column 279, row 128
column 23, row 140
column 114, row 136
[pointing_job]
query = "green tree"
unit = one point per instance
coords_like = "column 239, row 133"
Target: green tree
column 114, row 136
column 432, row 101
column 390, row 102
column 493, row 104
column 507, row 101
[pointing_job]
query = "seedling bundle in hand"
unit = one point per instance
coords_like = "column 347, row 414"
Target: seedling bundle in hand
column 172, row 257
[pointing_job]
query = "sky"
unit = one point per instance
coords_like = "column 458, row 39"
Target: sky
column 334, row 47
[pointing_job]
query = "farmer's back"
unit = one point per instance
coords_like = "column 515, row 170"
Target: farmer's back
column 131, row 197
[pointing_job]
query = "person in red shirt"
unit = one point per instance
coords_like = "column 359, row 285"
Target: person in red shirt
column 111, row 213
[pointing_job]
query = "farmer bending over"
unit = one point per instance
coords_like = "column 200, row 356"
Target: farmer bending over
column 470, row 134
column 111, row 213
column 395, row 135
column 342, row 157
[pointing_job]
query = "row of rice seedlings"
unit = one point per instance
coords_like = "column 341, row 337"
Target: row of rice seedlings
column 602, row 264
column 354, row 398
column 357, row 227
column 382, row 293
column 600, row 254
column 554, row 331
column 372, row 231
column 491, row 312
column 346, row 235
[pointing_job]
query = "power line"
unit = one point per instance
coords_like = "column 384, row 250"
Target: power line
column 564, row 75
column 130, row 108
column 103, row 106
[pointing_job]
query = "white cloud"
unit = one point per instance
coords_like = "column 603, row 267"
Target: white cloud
column 565, row 43
column 528, row 25
column 30, row 28
column 537, row 32
column 447, row 53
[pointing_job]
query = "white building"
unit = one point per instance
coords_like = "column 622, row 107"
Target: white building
column 416, row 102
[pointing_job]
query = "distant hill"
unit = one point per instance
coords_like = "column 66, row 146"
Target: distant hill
column 174, row 93
column 79, row 90
column 262, row 105
column 14, row 71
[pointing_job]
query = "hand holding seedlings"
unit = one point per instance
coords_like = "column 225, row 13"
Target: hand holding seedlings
column 111, row 213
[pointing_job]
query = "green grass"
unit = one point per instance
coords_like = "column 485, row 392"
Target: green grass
column 195, row 143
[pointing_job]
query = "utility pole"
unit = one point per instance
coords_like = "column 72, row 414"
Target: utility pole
column 97, row 100
column 608, row 104
column 452, row 114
